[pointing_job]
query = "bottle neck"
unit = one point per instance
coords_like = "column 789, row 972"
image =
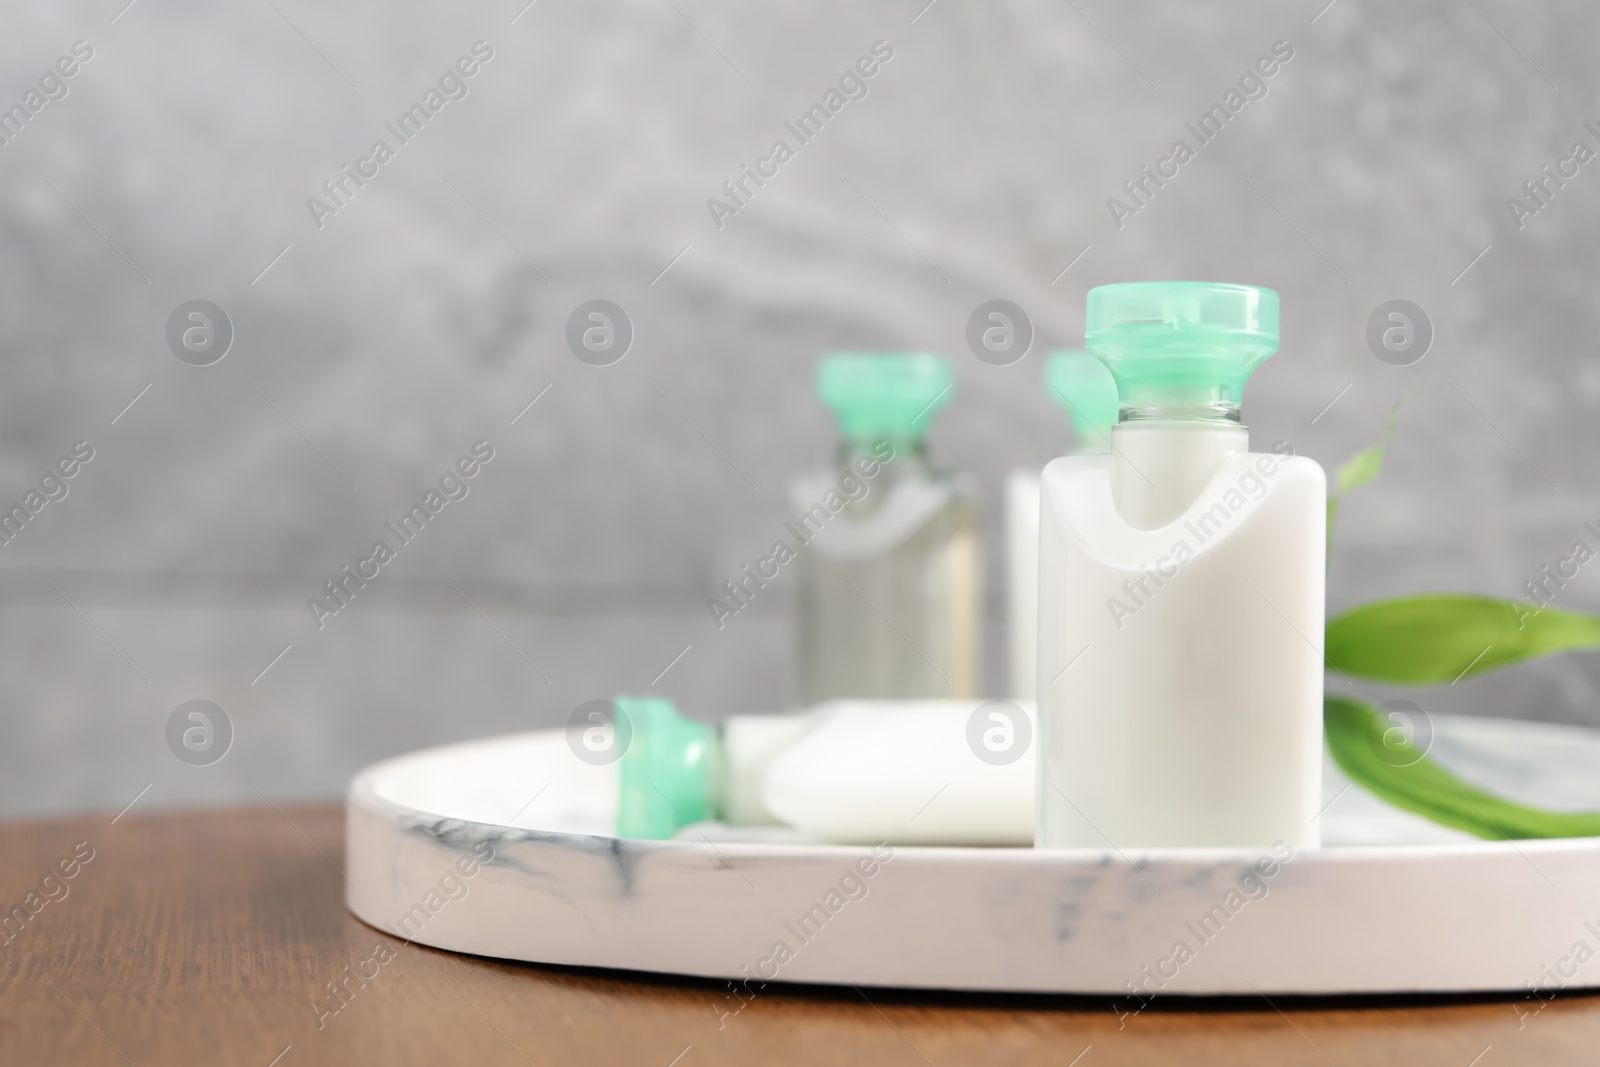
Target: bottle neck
column 898, row 456
column 1163, row 457
column 879, row 463
column 1216, row 411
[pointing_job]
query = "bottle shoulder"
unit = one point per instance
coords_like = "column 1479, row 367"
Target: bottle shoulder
column 1291, row 468
column 1077, row 500
column 850, row 518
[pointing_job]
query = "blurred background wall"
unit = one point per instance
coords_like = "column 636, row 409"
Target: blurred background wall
column 374, row 349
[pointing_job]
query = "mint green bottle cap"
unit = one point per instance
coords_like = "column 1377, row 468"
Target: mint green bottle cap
column 877, row 395
column 1181, row 344
column 1082, row 385
column 670, row 772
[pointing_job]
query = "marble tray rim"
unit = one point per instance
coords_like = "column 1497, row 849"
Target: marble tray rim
column 362, row 787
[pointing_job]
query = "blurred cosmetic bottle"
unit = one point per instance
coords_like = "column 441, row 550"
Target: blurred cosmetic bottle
column 1088, row 394
column 888, row 602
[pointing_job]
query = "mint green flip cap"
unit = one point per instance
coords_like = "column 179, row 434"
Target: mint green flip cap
column 1181, row 343
column 1082, row 385
column 884, row 394
column 670, row 772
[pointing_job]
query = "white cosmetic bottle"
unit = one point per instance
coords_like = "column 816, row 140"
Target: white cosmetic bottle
column 1181, row 595
column 908, row 772
column 1084, row 389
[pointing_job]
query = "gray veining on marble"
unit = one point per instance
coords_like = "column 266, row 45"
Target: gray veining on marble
column 1128, row 924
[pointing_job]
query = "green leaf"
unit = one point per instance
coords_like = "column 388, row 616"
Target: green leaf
column 1445, row 637
column 1360, row 469
column 1374, row 756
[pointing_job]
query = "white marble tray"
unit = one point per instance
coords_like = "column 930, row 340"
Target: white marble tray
column 1391, row 904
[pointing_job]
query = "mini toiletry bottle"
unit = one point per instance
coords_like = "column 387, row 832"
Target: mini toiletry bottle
column 887, row 595
column 844, row 772
column 1084, row 389
column 1181, row 594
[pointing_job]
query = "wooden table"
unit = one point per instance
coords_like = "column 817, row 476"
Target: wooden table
column 210, row 937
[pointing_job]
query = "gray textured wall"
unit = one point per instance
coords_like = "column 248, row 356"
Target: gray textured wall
column 428, row 312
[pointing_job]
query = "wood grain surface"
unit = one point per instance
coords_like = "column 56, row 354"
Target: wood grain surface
column 211, row 937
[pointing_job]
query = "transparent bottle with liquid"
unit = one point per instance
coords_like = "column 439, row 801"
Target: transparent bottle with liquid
column 1181, row 594
column 889, row 569
column 1086, row 392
